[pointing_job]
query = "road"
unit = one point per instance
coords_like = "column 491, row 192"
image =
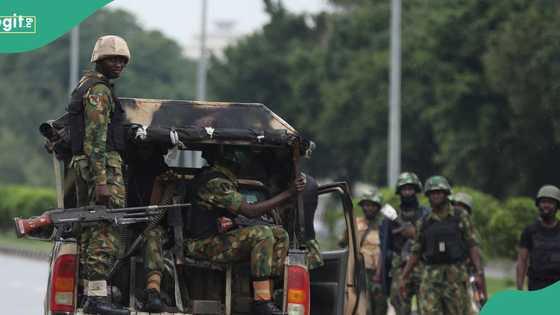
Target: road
column 23, row 285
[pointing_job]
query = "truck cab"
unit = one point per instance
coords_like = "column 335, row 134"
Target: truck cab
column 165, row 142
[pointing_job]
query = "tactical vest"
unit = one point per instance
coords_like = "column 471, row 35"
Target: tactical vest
column 399, row 241
column 545, row 255
column 443, row 242
column 115, row 132
column 202, row 222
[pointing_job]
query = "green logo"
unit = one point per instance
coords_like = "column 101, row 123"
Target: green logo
column 18, row 24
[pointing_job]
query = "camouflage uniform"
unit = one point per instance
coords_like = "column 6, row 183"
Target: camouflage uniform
column 100, row 244
column 265, row 246
column 444, row 286
column 368, row 236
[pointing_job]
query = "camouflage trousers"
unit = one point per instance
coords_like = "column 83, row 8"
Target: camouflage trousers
column 314, row 259
column 153, row 252
column 443, row 290
column 403, row 305
column 265, row 246
column 377, row 299
column 100, row 244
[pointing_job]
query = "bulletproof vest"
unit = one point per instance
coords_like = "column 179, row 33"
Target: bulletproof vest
column 203, row 222
column 115, row 132
column 399, row 241
column 443, row 242
column 545, row 255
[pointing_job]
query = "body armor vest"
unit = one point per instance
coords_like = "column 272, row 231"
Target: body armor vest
column 545, row 255
column 203, row 222
column 115, row 131
column 443, row 242
column 399, row 241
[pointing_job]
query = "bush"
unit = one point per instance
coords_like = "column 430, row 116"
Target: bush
column 24, row 202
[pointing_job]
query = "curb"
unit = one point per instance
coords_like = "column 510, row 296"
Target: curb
column 25, row 253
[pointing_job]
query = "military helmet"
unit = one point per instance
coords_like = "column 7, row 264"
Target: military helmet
column 408, row 178
column 437, row 183
column 463, row 198
column 548, row 191
column 110, row 45
column 375, row 198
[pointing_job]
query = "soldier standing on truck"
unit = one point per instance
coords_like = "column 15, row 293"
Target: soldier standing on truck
column 368, row 237
column 444, row 239
column 396, row 242
column 97, row 139
column 539, row 246
column 212, row 234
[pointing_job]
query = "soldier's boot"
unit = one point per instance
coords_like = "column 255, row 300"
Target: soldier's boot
column 97, row 301
column 153, row 302
column 263, row 304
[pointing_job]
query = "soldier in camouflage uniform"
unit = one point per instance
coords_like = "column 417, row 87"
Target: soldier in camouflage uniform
column 464, row 201
column 212, row 234
column 445, row 238
column 97, row 137
column 396, row 242
column 368, row 237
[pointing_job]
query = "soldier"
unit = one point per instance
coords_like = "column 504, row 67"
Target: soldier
column 97, row 137
column 368, row 236
column 212, row 235
column 444, row 240
column 464, row 201
column 539, row 246
column 396, row 242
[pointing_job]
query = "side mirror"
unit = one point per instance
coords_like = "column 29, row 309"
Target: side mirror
column 389, row 212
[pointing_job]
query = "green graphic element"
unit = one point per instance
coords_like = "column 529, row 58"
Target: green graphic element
column 541, row 302
column 29, row 24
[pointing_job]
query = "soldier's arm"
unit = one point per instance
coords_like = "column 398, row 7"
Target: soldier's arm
column 471, row 237
column 97, row 109
column 416, row 252
column 521, row 268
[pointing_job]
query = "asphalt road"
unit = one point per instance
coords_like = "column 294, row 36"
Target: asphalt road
column 22, row 285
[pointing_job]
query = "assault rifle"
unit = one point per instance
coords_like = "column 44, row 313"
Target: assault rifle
column 89, row 214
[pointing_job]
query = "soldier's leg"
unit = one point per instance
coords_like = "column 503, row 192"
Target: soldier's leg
column 314, row 259
column 413, row 287
column 378, row 302
column 255, row 243
column 154, row 265
column 453, row 297
column 281, row 244
column 430, row 303
column 395, row 297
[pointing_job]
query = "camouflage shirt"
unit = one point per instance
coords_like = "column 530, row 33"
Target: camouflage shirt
column 98, row 107
column 221, row 192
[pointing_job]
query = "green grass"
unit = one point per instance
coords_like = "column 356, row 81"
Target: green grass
column 10, row 240
column 494, row 285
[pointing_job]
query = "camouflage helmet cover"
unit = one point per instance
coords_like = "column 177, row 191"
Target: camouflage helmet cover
column 437, row 183
column 408, row 178
column 110, row 45
column 548, row 191
column 463, row 198
column 375, row 198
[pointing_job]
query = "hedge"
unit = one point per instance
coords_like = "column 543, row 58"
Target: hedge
column 24, row 201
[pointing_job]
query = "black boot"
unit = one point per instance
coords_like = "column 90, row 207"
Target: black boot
column 153, row 302
column 100, row 305
column 266, row 308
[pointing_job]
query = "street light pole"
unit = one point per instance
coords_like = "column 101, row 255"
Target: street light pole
column 74, row 57
column 394, row 150
column 201, row 72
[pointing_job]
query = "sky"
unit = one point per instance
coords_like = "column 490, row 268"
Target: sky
column 181, row 19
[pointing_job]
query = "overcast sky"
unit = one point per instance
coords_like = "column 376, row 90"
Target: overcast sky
column 180, row 19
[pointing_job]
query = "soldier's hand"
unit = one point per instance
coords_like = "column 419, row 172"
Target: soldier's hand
column 299, row 183
column 102, row 195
